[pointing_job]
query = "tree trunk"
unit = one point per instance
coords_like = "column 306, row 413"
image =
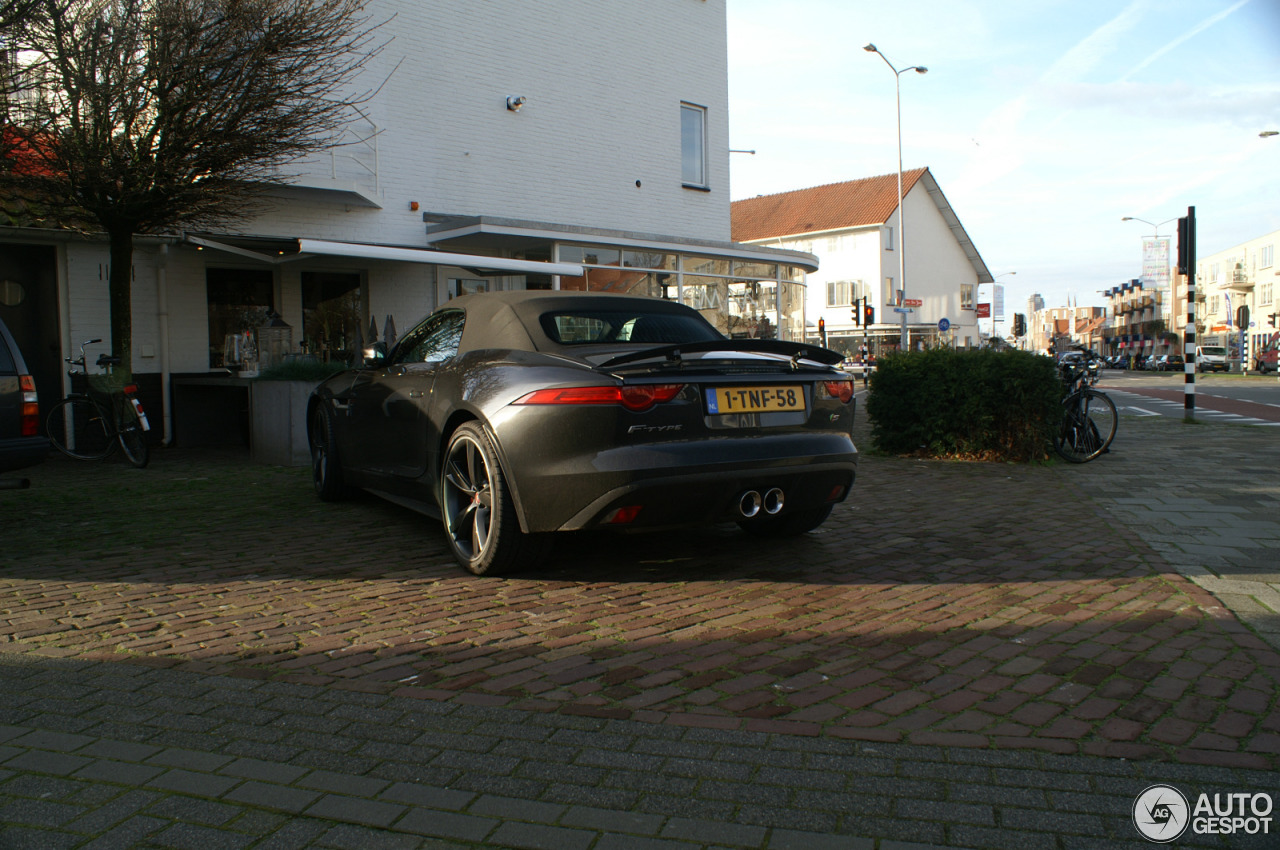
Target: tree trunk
column 120, row 294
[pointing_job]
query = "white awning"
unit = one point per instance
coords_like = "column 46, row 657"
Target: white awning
column 311, row 247
column 438, row 258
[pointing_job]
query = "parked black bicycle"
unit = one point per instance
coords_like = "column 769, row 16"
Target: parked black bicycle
column 90, row 425
column 1089, row 416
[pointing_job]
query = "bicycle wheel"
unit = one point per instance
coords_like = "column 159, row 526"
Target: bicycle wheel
column 77, row 428
column 133, row 440
column 1088, row 426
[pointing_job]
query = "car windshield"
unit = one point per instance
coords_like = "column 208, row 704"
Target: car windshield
column 596, row 327
column 1212, row 350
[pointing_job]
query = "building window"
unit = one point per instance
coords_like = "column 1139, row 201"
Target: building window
column 968, row 294
column 693, row 145
column 839, row 293
column 888, row 238
column 1264, row 296
column 1268, row 257
column 889, row 292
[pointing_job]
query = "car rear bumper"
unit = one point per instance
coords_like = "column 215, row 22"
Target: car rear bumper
column 21, row 452
column 694, row 483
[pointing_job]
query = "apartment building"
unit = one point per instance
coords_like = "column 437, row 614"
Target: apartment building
column 1242, row 276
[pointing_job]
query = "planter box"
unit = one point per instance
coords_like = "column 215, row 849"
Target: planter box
column 278, row 422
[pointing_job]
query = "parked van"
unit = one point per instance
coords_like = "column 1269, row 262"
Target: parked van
column 1211, row 358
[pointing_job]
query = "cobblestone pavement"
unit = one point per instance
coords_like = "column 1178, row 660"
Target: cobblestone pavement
column 966, row 655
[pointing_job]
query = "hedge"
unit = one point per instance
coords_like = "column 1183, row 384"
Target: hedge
column 981, row 404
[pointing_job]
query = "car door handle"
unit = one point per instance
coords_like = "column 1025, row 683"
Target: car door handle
column 416, row 394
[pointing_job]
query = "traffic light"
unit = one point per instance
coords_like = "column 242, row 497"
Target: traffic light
column 1019, row 324
column 868, row 315
column 857, row 314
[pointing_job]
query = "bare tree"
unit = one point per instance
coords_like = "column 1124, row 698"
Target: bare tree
column 156, row 115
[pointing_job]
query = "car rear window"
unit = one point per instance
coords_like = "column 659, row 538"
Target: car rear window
column 604, row 327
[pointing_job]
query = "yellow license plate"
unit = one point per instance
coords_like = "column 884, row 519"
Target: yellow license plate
column 722, row 400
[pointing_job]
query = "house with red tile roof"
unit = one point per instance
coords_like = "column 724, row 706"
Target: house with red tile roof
column 856, row 231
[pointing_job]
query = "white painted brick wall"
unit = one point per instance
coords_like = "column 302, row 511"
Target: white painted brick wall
column 604, row 83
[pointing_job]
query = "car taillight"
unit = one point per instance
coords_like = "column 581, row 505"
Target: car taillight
column 30, row 406
column 636, row 398
column 842, row 390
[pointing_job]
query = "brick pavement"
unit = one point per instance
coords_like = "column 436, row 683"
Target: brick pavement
column 1019, row 634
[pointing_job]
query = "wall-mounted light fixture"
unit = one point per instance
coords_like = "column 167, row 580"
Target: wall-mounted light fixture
column 515, row 101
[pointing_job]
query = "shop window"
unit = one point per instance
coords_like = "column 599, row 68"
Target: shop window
column 333, row 310
column 240, row 301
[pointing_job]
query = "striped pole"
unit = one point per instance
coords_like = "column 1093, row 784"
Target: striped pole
column 1187, row 265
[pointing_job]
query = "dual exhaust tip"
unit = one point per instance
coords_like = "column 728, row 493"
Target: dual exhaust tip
column 751, row 503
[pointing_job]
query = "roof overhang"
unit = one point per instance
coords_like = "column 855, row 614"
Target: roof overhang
column 328, row 191
column 485, row 230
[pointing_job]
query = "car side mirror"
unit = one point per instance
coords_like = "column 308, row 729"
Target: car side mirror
column 375, row 355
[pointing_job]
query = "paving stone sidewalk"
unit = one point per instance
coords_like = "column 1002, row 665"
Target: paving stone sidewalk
column 967, row 655
column 115, row 755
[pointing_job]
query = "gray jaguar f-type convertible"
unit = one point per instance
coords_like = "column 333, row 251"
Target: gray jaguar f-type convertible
column 513, row 415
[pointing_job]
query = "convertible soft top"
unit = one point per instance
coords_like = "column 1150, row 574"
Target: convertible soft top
column 510, row 320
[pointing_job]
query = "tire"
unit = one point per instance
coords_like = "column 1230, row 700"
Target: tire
column 479, row 515
column 1088, row 426
column 326, row 464
column 786, row 525
column 76, row 427
column 134, row 443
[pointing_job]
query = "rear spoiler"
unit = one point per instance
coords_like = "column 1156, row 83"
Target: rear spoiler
column 797, row 351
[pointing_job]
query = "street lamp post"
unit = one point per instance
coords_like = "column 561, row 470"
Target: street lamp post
column 993, row 303
column 902, row 238
column 1155, row 234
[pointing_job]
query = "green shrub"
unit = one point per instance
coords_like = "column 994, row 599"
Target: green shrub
column 979, row 404
column 300, row 369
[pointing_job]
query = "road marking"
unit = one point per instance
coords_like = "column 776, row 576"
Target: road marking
column 1144, row 412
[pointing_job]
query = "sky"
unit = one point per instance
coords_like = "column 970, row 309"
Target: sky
column 1044, row 122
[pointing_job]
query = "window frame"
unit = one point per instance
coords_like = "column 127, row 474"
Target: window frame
column 697, row 148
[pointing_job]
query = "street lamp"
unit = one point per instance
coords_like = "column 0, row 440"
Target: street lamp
column 1155, row 227
column 902, row 240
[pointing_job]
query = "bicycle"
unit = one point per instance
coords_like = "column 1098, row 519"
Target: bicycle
column 1089, row 416
column 90, row 425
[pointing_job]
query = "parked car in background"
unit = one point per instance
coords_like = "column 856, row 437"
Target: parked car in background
column 512, row 415
column 1265, row 359
column 1211, row 358
column 1170, row 363
column 22, row 442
